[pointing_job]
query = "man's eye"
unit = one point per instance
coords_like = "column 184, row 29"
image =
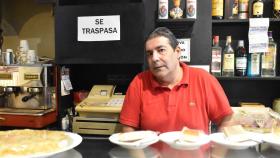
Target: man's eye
column 161, row 51
column 149, row 53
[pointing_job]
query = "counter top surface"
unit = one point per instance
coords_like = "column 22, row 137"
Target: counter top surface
column 102, row 148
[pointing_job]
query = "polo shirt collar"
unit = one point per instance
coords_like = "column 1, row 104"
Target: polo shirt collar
column 184, row 81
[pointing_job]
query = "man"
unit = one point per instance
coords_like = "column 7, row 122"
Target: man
column 171, row 95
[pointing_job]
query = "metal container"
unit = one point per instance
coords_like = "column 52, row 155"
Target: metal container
column 9, row 57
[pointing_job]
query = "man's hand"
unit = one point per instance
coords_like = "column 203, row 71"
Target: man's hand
column 126, row 128
column 227, row 121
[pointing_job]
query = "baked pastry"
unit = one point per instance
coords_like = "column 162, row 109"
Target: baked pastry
column 191, row 135
column 235, row 133
column 31, row 142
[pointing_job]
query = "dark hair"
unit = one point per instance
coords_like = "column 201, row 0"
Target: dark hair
column 165, row 32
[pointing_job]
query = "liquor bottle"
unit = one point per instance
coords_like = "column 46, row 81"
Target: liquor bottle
column 176, row 12
column 268, row 67
column 191, row 9
column 217, row 9
column 254, row 64
column 228, row 59
column 243, row 9
column 276, row 8
column 163, row 9
column 234, row 14
column 216, row 63
column 241, row 60
column 257, row 8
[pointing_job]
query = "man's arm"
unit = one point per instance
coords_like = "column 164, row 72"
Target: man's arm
column 126, row 128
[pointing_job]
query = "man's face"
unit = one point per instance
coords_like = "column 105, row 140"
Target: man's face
column 161, row 57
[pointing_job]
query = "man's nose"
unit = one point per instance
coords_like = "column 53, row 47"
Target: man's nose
column 155, row 55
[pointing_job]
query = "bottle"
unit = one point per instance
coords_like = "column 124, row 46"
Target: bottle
column 234, row 10
column 176, row 12
column 191, row 9
column 217, row 9
column 257, row 9
column 276, row 8
column 254, row 64
column 163, row 9
column 1, row 61
column 241, row 60
column 268, row 67
column 216, row 63
column 228, row 59
column 243, row 9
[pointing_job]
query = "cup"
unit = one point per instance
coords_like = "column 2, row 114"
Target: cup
column 31, row 57
column 23, row 44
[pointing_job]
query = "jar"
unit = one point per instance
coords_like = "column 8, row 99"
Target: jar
column 276, row 105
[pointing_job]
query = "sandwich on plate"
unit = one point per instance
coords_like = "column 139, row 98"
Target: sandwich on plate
column 236, row 133
column 134, row 136
column 191, row 135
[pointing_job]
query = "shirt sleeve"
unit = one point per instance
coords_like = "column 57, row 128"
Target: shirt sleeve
column 130, row 113
column 218, row 104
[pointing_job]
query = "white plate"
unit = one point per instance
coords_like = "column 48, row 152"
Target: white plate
column 173, row 140
column 74, row 141
column 151, row 138
column 272, row 140
column 220, row 138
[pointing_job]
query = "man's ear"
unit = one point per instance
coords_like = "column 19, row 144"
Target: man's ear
column 178, row 51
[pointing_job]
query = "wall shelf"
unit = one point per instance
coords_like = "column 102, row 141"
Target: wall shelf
column 236, row 78
column 241, row 21
column 188, row 21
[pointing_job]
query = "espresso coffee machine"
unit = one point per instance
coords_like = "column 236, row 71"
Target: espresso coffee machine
column 27, row 96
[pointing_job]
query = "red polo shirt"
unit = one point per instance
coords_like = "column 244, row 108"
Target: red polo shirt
column 196, row 100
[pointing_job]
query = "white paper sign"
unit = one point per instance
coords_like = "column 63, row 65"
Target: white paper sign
column 66, row 82
column 257, row 35
column 184, row 44
column 99, row 28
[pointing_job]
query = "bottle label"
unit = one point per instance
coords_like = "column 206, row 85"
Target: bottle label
column 268, row 59
column 217, row 8
column 241, row 63
column 258, row 8
column 216, row 61
column 276, row 4
column 228, row 63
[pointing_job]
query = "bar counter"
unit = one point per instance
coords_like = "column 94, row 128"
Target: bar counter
column 92, row 147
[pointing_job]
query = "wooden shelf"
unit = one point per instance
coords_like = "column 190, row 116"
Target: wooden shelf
column 240, row 21
column 248, row 78
column 190, row 21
